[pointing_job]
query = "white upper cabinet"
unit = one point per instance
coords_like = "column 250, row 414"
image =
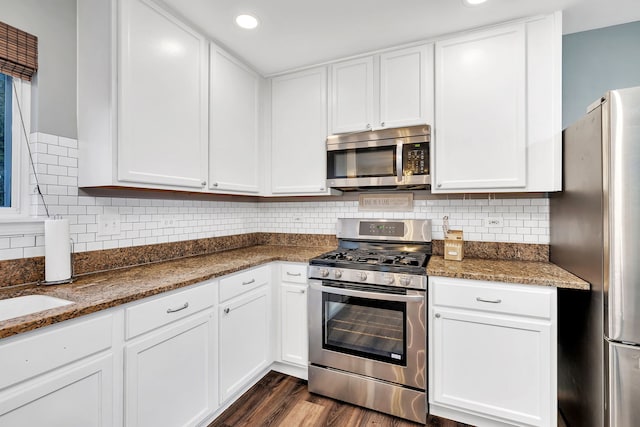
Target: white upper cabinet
column 480, row 104
column 299, row 133
column 388, row 90
column 497, row 125
column 142, row 97
column 406, row 87
column 233, row 125
column 352, row 95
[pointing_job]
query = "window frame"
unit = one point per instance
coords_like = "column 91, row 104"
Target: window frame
column 16, row 219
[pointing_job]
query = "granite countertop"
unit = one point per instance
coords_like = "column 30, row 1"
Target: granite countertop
column 99, row 291
column 524, row 272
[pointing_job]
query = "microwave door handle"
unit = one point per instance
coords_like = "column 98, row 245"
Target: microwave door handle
column 399, row 161
column 369, row 295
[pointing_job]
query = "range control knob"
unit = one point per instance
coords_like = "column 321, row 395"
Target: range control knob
column 389, row 280
column 362, row 276
column 338, row 274
column 324, row 272
column 405, row 281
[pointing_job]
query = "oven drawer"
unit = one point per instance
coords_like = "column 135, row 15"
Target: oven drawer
column 520, row 300
column 240, row 283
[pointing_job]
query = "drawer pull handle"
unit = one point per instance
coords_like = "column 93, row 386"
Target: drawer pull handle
column 227, row 310
column 302, row 291
column 492, row 301
column 294, row 274
column 173, row 310
column 249, row 282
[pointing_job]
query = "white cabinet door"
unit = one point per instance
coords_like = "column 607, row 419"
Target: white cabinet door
column 406, row 87
column 170, row 374
column 233, row 125
column 480, row 127
column 299, row 133
column 293, row 324
column 80, row 395
column 352, row 95
column 244, row 340
column 492, row 365
column 162, row 98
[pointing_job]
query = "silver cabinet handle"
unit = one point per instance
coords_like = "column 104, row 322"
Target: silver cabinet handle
column 302, row 291
column 249, row 282
column 227, row 310
column 439, row 185
column 294, row 274
column 173, row 310
column 492, row 301
column 204, row 183
column 437, row 315
column 368, row 125
column 382, row 124
column 215, row 184
column 399, row 161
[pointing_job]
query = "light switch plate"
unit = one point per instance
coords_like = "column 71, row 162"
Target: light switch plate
column 108, row 224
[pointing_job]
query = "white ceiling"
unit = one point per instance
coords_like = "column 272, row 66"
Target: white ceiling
column 298, row 33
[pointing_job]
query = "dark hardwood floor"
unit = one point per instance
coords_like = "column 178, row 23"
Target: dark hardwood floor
column 279, row 400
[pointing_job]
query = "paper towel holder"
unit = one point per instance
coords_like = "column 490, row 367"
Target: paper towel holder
column 63, row 281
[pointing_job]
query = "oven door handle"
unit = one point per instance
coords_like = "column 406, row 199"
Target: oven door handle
column 370, row 295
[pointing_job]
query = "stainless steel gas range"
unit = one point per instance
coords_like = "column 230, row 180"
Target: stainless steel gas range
column 367, row 316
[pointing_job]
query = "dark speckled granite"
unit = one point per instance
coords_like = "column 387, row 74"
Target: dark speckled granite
column 499, row 250
column 31, row 270
column 94, row 292
column 508, row 271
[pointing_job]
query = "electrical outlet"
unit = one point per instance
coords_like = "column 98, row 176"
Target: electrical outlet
column 493, row 221
column 108, row 224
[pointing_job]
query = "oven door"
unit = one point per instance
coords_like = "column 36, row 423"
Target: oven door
column 369, row 330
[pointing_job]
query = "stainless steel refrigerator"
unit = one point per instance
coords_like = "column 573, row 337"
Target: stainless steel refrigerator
column 595, row 234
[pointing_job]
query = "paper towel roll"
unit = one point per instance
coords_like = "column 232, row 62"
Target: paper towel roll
column 57, row 250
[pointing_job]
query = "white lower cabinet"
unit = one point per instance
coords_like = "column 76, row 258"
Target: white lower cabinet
column 244, row 345
column 170, row 371
column 293, row 315
column 174, row 359
column 59, row 376
column 169, row 374
column 492, row 353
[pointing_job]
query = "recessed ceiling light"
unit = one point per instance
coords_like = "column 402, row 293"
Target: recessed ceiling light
column 472, row 2
column 248, row 22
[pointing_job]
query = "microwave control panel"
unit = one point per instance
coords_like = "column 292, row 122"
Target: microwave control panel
column 415, row 158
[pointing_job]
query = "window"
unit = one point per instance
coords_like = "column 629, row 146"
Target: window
column 13, row 167
column 5, row 140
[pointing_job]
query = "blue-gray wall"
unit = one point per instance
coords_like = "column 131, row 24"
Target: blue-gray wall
column 596, row 61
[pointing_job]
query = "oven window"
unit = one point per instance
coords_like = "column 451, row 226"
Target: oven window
column 362, row 162
column 363, row 327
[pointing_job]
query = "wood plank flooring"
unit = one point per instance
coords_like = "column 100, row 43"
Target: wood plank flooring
column 279, row 400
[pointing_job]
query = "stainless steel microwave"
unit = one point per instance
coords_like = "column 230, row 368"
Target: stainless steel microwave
column 391, row 158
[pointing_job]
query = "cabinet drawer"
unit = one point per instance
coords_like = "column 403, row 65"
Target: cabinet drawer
column 293, row 273
column 242, row 282
column 55, row 346
column 520, row 300
column 160, row 311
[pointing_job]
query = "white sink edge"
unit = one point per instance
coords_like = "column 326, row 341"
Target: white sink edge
column 28, row 304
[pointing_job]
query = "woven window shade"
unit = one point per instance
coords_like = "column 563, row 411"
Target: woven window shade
column 18, row 52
